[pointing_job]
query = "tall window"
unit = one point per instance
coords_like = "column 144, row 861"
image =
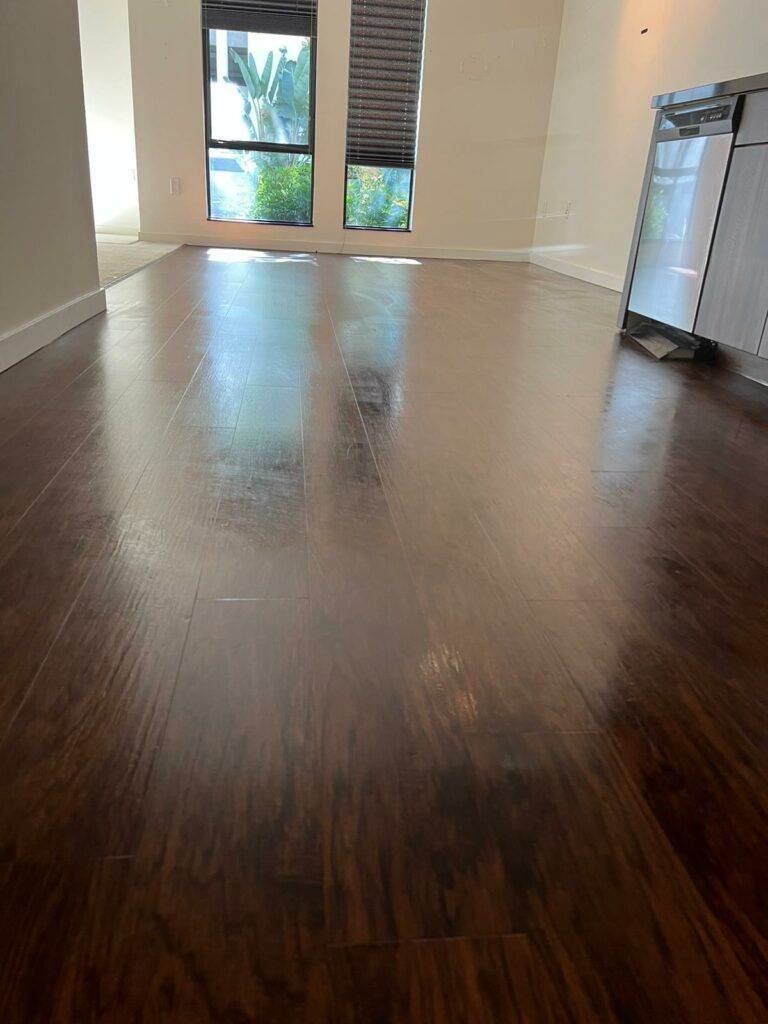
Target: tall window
column 259, row 58
column 387, row 42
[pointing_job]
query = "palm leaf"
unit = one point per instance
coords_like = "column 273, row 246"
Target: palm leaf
column 301, row 84
column 276, row 80
column 255, row 78
column 266, row 74
column 283, row 103
column 245, row 71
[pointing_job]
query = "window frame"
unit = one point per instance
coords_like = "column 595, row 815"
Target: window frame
column 260, row 147
column 364, row 227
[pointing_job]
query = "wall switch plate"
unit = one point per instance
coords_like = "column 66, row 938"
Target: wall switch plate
column 175, row 186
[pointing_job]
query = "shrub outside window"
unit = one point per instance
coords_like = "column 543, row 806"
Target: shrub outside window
column 378, row 197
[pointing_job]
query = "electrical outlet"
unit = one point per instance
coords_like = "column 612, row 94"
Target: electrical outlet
column 175, row 186
column 568, row 207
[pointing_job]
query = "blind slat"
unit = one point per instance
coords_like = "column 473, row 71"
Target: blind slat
column 292, row 17
column 386, row 43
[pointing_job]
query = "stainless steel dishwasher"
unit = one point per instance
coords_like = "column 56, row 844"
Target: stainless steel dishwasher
column 692, row 150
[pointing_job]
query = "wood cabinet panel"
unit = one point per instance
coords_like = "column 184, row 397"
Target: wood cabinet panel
column 754, row 120
column 734, row 299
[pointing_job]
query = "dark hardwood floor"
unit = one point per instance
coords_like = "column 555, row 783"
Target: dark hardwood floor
column 380, row 644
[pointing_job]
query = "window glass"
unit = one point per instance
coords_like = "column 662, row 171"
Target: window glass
column 252, row 185
column 269, row 101
column 378, row 197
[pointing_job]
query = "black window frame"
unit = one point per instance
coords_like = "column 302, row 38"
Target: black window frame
column 366, row 227
column 261, row 147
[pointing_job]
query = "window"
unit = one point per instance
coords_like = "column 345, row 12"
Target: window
column 387, row 40
column 260, row 118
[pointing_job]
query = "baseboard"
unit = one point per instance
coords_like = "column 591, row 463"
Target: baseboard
column 352, row 247
column 23, row 341
column 116, row 231
column 435, row 253
column 744, row 363
column 117, row 237
column 346, row 247
column 560, row 266
column 265, row 244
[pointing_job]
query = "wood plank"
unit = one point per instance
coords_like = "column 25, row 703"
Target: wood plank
column 219, row 911
column 693, row 747
column 447, row 981
column 258, row 544
column 144, row 943
column 603, row 884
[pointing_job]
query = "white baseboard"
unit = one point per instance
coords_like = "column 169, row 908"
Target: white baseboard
column 23, row 341
column 346, row 247
column 364, row 247
column 560, row 266
column 119, row 237
column 265, row 244
column 120, row 231
column 427, row 252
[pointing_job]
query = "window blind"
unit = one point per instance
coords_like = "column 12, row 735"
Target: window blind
column 293, row 17
column 387, row 40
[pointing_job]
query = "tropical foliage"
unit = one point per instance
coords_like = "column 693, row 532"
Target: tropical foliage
column 284, row 190
column 276, row 98
column 377, row 197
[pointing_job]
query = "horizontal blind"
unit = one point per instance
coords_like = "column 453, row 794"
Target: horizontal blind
column 292, row 17
column 387, row 40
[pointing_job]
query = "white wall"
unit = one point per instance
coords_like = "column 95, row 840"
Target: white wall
column 106, row 55
column 600, row 123
column 47, row 245
column 485, row 108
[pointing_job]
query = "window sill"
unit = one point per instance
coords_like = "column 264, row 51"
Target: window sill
column 266, row 223
column 385, row 231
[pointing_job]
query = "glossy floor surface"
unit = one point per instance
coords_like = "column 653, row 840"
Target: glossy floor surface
column 381, row 643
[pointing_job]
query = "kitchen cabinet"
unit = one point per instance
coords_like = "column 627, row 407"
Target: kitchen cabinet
column 754, row 120
column 734, row 299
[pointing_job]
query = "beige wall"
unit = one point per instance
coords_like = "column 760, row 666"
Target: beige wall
column 485, row 107
column 47, row 246
column 600, row 123
column 106, row 59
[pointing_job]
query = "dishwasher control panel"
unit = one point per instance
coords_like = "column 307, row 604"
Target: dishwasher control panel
column 718, row 117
